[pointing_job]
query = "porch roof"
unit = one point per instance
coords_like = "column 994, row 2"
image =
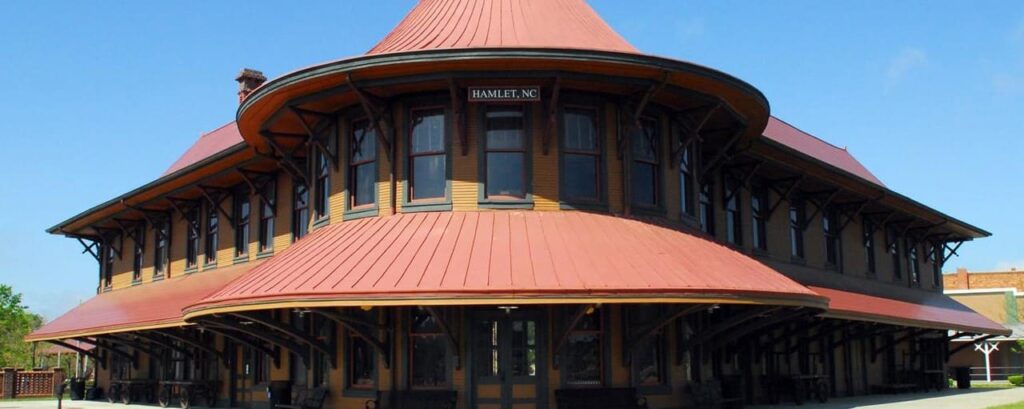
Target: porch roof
column 934, row 310
column 149, row 306
column 521, row 257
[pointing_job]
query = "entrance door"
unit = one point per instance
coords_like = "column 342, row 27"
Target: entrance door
column 508, row 363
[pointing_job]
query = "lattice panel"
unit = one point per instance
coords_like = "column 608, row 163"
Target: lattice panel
column 32, row 383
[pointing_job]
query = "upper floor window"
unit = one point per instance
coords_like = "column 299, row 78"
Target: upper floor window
column 505, row 152
column 268, row 203
column 242, row 213
column 428, row 154
column 893, row 240
column 833, row 245
column 428, row 351
column 869, row 244
column 192, row 237
column 581, row 156
column 139, row 252
column 733, row 218
column 300, row 210
column 796, row 228
column 645, row 173
column 686, row 182
column 109, row 252
column 913, row 265
column 162, row 251
column 362, row 164
column 707, row 208
column 322, row 183
column 934, row 257
column 759, row 217
column 212, row 234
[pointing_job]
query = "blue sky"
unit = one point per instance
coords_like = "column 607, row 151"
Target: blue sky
column 97, row 98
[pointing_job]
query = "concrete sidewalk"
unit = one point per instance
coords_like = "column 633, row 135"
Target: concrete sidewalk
column 948, row 399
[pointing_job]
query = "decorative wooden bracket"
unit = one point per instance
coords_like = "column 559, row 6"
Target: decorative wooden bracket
column 818, row 207
column 111, row 349
column 950, row 251
column 552, row 126
column 744, row 181
column 182, row 206
column 665, row 319
column 314, row 132
column 382, row 346
column 268, row 336
column 721, row 155
column 563, row 339
column 91, row 354
column 784, row 195
column 691, row 123
column 967, row 345
column 215, row 197
column 93, row 248
column 285, row 158
column 879, row 224
column 377, row 110
column 258, row 182
column 853, row 216
column 272, row 324
column 121, row 339
column 109, row 237
column 708, row 334
column 741, row 331
column 459, row 115
column 165, row 337
column 244, row 339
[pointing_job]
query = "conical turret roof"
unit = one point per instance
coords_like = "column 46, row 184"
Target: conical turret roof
column 460, row 24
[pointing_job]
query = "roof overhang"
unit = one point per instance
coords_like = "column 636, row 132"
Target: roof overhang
column 745, row 101
column 938, row 311
column 138, row 308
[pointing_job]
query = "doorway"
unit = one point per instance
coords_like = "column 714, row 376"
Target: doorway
column 508, row 358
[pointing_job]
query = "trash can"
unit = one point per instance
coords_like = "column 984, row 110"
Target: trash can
column 77, row 388
column 962, row 374
column 279, row 393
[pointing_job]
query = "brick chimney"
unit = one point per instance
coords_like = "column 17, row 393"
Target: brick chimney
column 248, row 80
column 963, row 280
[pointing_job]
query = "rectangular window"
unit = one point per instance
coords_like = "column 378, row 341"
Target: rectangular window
column 505, row 152
column 242, row 212
column 733, row 218
column 192, row 237
column 833, row 243
column 108, row 262
column 645, row 173
column 161, row 255
column 869, row 245
column 361, row 370
column 300, row 210
column 584, row 351
column 256, row 367
column 139, row 252
column 648, row 359
column 759, row 217
column 428, row 155
column 212, row 234
column 268, row 203
column 933, row 258
column 894, row 252
column 581, row 156
column 323, row 330
column 796, row 228
column 297, row 369
column 322, row 183
column 707, row 208
column 913, row 264
column 428, row 352
column 362, row 164
column 686, row 182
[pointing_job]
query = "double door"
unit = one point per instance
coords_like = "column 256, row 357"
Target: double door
column 508, row 359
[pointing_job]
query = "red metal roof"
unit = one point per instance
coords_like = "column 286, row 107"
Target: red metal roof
column 153, row 305
column 810, row 145
column 487, row 257
column 447, row 24
column 207, row 145
column 935, row 311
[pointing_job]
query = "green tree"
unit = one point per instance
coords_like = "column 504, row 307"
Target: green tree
column 16, row 321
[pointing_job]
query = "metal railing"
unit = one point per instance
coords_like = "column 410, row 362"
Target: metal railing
column 999, row 373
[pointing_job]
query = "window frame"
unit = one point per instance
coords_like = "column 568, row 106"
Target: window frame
column 658, row 184
column 913, row 262
column 630, row 326
column 162, row 254
column 409, row 359
column 733, row 207
column 759, row 217
column 833, row 239
column 444, row 202
column 706, row 207
column 797, row 218
column 687, row 183
column 241, row 199
column 604, row 349
column 300, row 214
column 320, row 198
column 509, row 202
column 369, row 209
column 138, row 252
column 193, row 236
column 868, row 243
column 211, row 242
column 594, row 105
column 893, row 248
column 346, row 371
column 267, row 218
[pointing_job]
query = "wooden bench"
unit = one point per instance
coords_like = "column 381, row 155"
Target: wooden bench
column 307, row 399
column 599, row 398
column 414, row 399
column 708, row 395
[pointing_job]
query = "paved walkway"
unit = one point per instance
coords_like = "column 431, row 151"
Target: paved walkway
column 948, row 399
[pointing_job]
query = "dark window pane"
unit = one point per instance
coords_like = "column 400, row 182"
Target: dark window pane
column 583, row 366
column 644, row 183
column 365, row 178
column 360, row 363
column 648, row 362
column 428, row 131
column 429, row 176
column 429, row 357
column 300, row 211
column 524, row 348
column 580, row 177
column 363, row 143
column 686, row 183
column 487, row 343
column 505, row 174
column 505, row 128
column 580, row 131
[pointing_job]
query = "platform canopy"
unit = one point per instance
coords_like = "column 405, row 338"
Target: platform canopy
column 935, row 310
column 508, row 257
column 143, row 307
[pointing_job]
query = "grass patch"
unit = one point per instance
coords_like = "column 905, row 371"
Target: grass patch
column 991, row 385
column 1018, row 405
